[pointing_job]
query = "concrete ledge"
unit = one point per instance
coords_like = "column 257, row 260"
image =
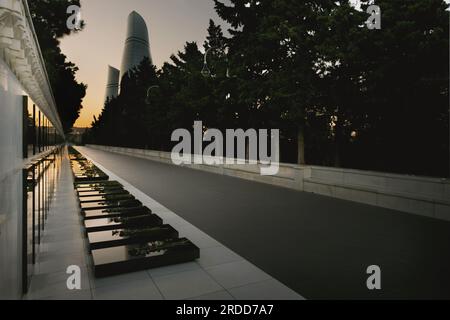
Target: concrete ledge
column 429, row 197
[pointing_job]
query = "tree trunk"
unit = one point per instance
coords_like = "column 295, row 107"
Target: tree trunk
column 337, row 143
column 247, row 151
column 301, row 146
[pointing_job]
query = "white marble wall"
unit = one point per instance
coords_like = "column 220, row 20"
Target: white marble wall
column 11, row 163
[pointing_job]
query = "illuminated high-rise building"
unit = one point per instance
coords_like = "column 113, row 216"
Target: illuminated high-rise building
column 137, row 46
column 112, row 85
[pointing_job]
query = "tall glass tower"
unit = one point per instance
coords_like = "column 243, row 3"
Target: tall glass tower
column 137, row 46
column 112, row 86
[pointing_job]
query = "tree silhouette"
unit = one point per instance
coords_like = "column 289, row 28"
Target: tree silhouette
column 49, row 19
column 342, row 95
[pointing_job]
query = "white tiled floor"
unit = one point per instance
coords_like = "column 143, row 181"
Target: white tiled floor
column 265, row 290
column 214, row 256
column 186, row 284
column 220, row 274
column 220, row 295
column 237, row 274
column 144, row 289
column 62, row 246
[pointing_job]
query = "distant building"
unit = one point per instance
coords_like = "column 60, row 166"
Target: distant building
column 76, row 136
column 112, row 86
column 137, row 46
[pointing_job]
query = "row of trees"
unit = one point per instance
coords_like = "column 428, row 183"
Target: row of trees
column 49, row 19
column 342, row 94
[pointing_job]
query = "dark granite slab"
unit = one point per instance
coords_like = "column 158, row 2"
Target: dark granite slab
column 101, row 193
column 106, row 197
column 84, row 178
column 105, row 224
column 136, row 257
column 82, row 191
column 109, row 204
column 120, row 237
column 116, row 212
column 97, row 184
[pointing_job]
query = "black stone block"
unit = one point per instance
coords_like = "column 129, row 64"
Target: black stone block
column 136, row 257
column 82, row 191
column 106, row 197
column 121, row 237
column 116, row 212
column 105, row 224
column 110, row 204
column 98, row 184
column 85, row 178
column 82, row 195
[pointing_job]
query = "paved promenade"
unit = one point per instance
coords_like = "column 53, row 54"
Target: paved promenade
column 318, row 246
column 219, row 274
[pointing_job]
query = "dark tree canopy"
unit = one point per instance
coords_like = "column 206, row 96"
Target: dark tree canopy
column 341, row 94
column 49, row 19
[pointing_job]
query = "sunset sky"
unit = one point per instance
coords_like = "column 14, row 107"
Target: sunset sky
column 170, row 22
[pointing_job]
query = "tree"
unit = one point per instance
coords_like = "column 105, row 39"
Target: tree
column 406, row 86
column 305, row 60
column 49, row 19
column 274, row 42
column 350, row 96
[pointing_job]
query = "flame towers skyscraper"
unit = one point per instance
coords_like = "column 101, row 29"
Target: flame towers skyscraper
column 137, row 46
column 112, row 86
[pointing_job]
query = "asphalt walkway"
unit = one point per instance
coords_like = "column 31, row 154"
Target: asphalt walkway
column 318, row 246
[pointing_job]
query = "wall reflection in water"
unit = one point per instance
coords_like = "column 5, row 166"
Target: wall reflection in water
column 39, row 185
